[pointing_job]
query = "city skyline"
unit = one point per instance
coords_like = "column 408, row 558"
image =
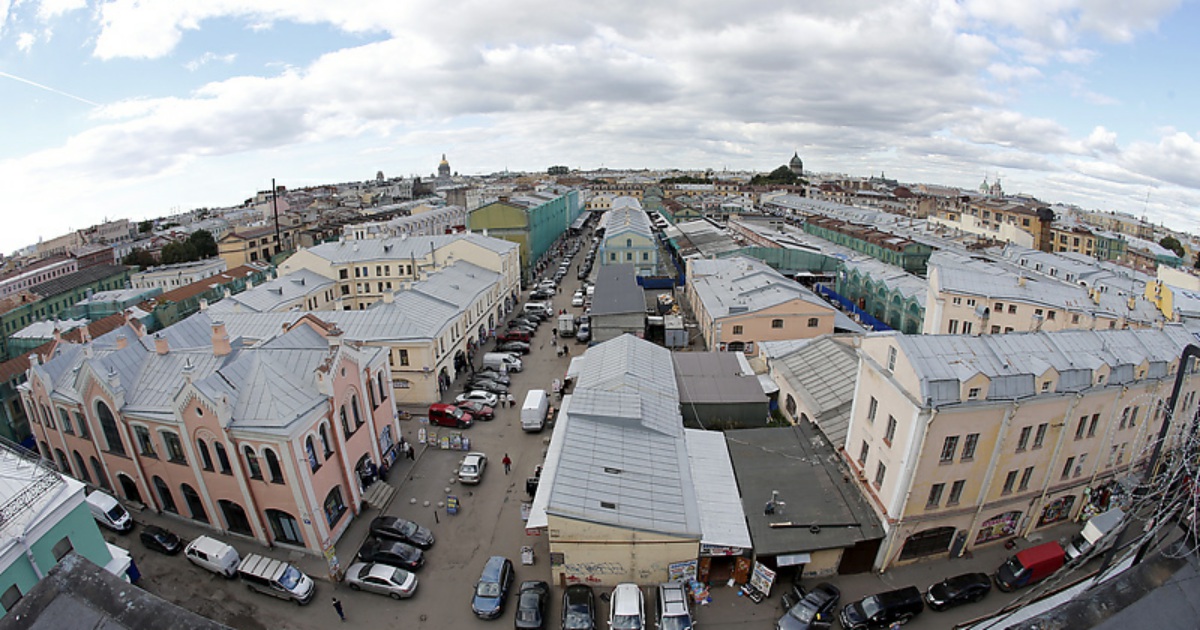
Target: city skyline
column 125, row 110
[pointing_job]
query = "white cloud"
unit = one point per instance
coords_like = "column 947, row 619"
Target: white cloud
column 1008, row 74
column 50, row 9
column 209, row 57
column 25, row 41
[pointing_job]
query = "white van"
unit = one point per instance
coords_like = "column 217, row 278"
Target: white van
column 214, row 555
column 502, row 362
column 108, row 512
column 537, row 307
column 533, row 411
column 276, row 578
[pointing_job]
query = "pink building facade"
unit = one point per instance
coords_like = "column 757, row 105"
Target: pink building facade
column 271, row 442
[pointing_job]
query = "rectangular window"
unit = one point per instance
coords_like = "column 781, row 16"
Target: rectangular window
column 1092, row 425
column 890, row 433
column 973, row 393
column 953, row 330
column 737, row 330
column 1025, row 477
column 968, row 452
column 1012, row 309
column 403, row 357
column 10, row 597
column 1023, row 440
column 1079, row 430
column 871, row 409
column 935, row 495
column 62, row 548
column 645, row 256
column 1066, row 471
column 1074, row 318
column 949, row 447
column 1040, row 437
column 957, row 301
column 999, row 307
column 1133, row 416
column 1010, row 481
column 956, row 490
column 1124, row 418
column 866, row 450
column 777, row 323
column 145, row 444
column 880, row 472
column 995, row 330
column 174, row 448
column 967, row 328
column 82, row 423
column 970, row 301
column 891, row 362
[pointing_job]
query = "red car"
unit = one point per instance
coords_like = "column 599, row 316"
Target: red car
column 478, row 410
column 514, row 335
column 449, row 416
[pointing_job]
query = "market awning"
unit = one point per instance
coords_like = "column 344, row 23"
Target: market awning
column 792, row 559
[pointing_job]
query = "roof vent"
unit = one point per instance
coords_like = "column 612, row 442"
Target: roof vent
column 608, row 504
column 612, row 471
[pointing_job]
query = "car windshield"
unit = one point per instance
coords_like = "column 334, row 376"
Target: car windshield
column 627, row 622
column 399, row 576
column 488, row 589
column 116, row 513
column 457, row 413
column 577, row 619
column 468, row 469
column 803, row 612
column 681, row 622
column 290, row 578
column 408, row 528
column 1014, row 567
column 870, row 606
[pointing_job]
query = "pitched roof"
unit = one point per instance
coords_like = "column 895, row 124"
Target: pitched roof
column 823, row 373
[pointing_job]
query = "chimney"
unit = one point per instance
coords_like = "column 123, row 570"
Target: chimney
column 203, row 305
column 160, row 344
column 1021, row 281
column 389, row 297
column 220, row 340
column 122, row 342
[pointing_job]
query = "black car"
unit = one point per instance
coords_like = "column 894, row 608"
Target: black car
column 883, row 609
column 493, row 375
column 579, row 608
column 513, row 346
column 160, row 540
column 391, row 552
column 403, row 530
column 486, row 385
column 958, row 590
column 531, row 605
column 814, row 610
column 541, row 294
column 528, row 325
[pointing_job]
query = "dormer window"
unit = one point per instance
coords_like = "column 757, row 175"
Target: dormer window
column 973, row 393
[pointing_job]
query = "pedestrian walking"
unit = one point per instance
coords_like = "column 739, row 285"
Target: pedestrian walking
column 554, row 332
column 337, row 605
column 409, row 451
column 512, row 402
column 507, row 463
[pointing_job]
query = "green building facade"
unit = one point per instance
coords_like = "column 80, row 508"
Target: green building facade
column 534, row 222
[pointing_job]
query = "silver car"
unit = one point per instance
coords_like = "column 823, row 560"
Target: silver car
column 471, row 468
column 381, row 578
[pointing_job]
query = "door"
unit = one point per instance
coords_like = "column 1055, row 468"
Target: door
column 129, row 487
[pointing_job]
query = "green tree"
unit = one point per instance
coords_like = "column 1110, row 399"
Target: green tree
column 781, row 175
column 145, row 226
column 138, row 258
column 203, row 243
column 557, row 170
column 1173, row 244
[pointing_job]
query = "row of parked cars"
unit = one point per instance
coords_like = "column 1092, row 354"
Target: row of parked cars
column 627, row 603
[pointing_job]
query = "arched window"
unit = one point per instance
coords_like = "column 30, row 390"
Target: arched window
column 358, row 421
column 325, row 441
column 81, row 468
column 108, row 424
column 345, row 422
column 235, row 518
column 61, row 458
column 273, row 467
column 222, row 458
column 285, row 528
column 205, row 458
column 45, row 451
column 64, row 421
column 628, row 242
column 101, row 478
column 252, row 463
column 311, row 452
column 164, row 495
column 195, row 505
column 334, row 506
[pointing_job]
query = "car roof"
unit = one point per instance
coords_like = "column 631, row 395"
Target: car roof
column 626, row 604
column 491, row 570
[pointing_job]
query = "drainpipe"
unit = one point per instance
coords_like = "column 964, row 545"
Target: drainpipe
column 1062, row 435
column 908, row 492
column 991, row 471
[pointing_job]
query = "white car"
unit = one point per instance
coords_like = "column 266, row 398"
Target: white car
column 577, row 299
column 628, row 608
column 478, row 395
column 471, row 468
column 381, row 578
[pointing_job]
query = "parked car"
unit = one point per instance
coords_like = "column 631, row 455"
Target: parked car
column 449, row 416
column 479, row 383
column 160, row 540
column 531, row 605
column 627, row 608
column 479, row 396
column 513, row 346
column 584, row 334
column 471, row 468
column 883, row 609
column 815, row 609
column 492, row 589
column 495, row 375
column 523, row 323
column 381, row 578
column 541, row 294
column 515, row 335
column 671, row 611
column 958, row 590
column 579, row 608
column 403, row 530
column 478, row 410
column 577, row 299
column 392, row 552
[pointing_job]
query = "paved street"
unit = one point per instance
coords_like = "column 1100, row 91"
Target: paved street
column 488, row 523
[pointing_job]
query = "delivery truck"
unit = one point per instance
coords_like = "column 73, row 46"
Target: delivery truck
column 566, row 325
column 534, row 410
column 1097, row 535
column 1029, row 566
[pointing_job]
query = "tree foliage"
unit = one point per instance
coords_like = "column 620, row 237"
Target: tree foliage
column 145, row 226
column 139, row 258
column 557, row 170
column 199, row 245
column 685, row 179
column 1173, row 244
column 781, row 175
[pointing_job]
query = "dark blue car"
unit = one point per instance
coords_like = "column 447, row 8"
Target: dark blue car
column 492, row 589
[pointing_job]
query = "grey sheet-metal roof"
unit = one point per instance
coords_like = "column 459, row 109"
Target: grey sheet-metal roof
column 1014, row 361
column 811, row 481
column 714, row 377
column 744, row 285
column 722, row 521
column 823, row 373
column 394, row 248
column 277, row 293
column 623, row 458
column 617, row 291
column 626, row 219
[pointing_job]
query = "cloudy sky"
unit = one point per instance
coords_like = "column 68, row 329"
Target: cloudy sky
column 130, row 108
